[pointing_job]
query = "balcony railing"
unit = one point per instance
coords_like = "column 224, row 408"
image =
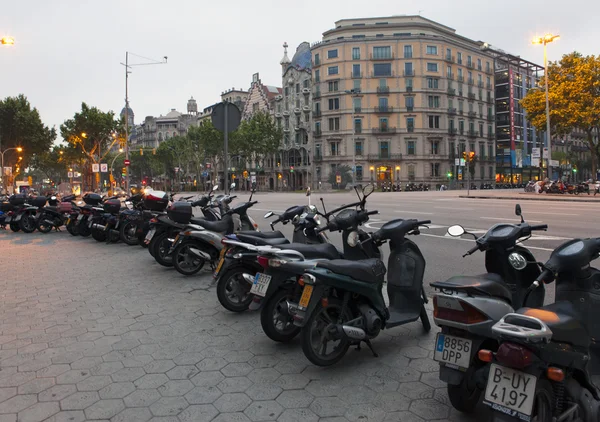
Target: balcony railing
column 451, row 91
column 410, row 109
column 471, row 96
column 410, row 129
column 409, row 72
column 409, row 89
column 489, row 70
column 383, row 130
column 384, row 156
column 357, row 109
column 451, row 111
column 470, row 65
column 452, row 131
column 491, row 136
column 472, row 134
column 490, row 117
column 317, row 113
column 382, row 56
column 384, row 109
column 390, row 75
column 317, row 95
column 460, row 78
column 471, row 81
column 450, row 75
column 317, row 133
column 383, row 89
column 356, row 75
column 480, row 84
column 472, row 114
column 316, row 62
column 318, row 158
column 449, row 59
column 488, row 85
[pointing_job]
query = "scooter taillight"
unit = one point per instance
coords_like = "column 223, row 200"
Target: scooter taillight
column 263, row 261
column 454, row 309
column 514, row 356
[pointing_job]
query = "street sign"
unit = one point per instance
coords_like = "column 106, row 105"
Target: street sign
column 554, row 163
column 204, row 174
column 535, row 154
column 233, row 116
column 103, row 168
column 70, row 174
column 462, row 162
column 338, row 179
column 126, row 162
column 456, row 161
column 459, row 176
column 546, row 155
column 95, row 168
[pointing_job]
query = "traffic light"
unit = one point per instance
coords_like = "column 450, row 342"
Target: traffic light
column 123, row 171
column 245, row 174
column 471, row 156
column 574, row 170
column 291, row 169
column 141, row 151
column 464, row 155
column 449, row 174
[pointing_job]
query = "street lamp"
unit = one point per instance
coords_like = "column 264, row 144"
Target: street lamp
column 545, row 40
column 127, row 72
column 354, row 94
column 7, row 40
column 18, row 149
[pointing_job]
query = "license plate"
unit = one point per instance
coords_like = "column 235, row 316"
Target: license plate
column 117, row 225
column 68, row 221
column 90, row 223
column 453, row 350
column 510, row 391
column 305, row 298
column 221, row 261
column 150, row 235
column 8, row 219
column 260, row 285
column 80, row 217
column 18, row 217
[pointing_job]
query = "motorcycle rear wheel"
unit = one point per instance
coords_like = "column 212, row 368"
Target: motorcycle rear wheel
column 127, row 233
column 277, row 326
column 43, row 226
column 465, row 396
column 27, row 224
column 161, row 249
column 84, row 229
column 184, row 261
column 99, row 235
column 73, row 229
column 15, row 227
column 229, row 287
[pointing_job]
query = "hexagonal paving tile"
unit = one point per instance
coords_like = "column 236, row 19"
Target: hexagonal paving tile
column 234, row 384
column 203, row 395
column 175, row 388
column 429, row 409
column 104, row 409
column 263, row 410
column 79, row 401
column 142, row 398
column 293, row 399
column 298, row 415
column 168, row 406
column 233, row 402
column 198, row 412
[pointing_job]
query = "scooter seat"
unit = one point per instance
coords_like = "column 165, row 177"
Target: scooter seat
column 488, row 284
column 367, row 270
column 263, row 235
column 258, row 241
column 51, row 208
column 197, row 220
column 220, row 226
column 564, row 322
column 323, row 250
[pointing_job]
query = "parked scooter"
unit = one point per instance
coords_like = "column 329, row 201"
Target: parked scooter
column 548, row 356
column 55, row 214
column 466, row 307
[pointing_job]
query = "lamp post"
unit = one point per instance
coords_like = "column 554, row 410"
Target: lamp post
column 18, row 149
column 545, row 40
column 354, row 94
column 127, row 72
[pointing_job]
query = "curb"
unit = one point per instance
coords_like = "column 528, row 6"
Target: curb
column 516, row 198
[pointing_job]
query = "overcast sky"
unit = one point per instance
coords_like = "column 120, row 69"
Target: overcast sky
column 68, row 51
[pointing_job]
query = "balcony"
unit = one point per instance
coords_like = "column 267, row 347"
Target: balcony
column 384, row 156
column 488, row 86
column 409, row 89
column 382, row 57
column 383, row 130
column 480, row 84
column 451, row 91
column 317, row 133
column 286, row 129
column 452, row 131
column 306, row 91
column 471, row 96
column 449, row 59
column 460, row 78
column 278, row 115
column 452, row 111
column 489, row 70
column 356, row 75
column 390, row 75
column 318, row 158
column 410, row 129
column 317, row 113
column 317, row 95
column 383, row 89
column 316, row 62
column 297, row 110
column 410, row 109
column 490, row 117
column 490, row 99
column 306, row 109
column 450, row 76
column 286, row 113
column 491, row 136
column 409, row 72
column 472, row 114
column 384, row 109
column 470, row 65
column 460, row 112
column 472, row 134
column 357, row 109
column 471, row 81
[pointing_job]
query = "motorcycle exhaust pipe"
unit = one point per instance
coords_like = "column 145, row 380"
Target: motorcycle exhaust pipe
column 353, row 333
column 51, row 223
column 98, row 227
column 200, row 254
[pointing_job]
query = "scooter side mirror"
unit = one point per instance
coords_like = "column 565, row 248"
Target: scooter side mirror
column 456, row 230
column 519, row 212
column 269, row 214
column 215, row 188
column 308, row 191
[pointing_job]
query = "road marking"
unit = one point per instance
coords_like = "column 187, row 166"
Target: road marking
column 471, row 240
column 414, row 212
column 453, row 208
column 550, row 213
column 508, row 219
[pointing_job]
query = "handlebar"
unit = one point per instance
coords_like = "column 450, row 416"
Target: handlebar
column 372, row 212
column 423, row 222
column 539, row 227
column 472, row 250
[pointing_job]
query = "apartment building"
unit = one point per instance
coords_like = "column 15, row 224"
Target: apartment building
column 402, row 97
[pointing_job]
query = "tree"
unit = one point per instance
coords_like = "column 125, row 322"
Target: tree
column 21, row 126
column 93, row 132
column 345, row 172
column 574, row 97
column 53, row 164
column 257, row 137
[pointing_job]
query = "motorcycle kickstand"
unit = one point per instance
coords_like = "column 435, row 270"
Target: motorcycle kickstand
column 369, row 345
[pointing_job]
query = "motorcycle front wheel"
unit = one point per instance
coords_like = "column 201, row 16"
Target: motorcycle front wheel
column 184, row 261
column 99, row 235
column 127, row 233
column 277, row 324
column 161, row 250
column 43, row 226
column 73, row 229
column 233, row 291
column 15, row 227
column 27, row 224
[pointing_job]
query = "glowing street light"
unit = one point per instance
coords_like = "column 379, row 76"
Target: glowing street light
column 7, row 40
column 545, row 40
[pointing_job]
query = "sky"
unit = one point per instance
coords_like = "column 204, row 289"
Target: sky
column 69, row 51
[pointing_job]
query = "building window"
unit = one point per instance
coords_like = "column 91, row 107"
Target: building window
column 482, row 172
column 487, row 67
column 482, row 150
column 355, row 53
column 491, row 151
column 408, row 69
column 461, row 126
column 286, row 92
column 382, row 52
column 432, row 83
column 411, row 172
column 332, row 70
column 305, row 83
column 317, row 59
column 317, row 75
column 459, row 57
column 491, row 172
column 435, row 147
column 432, row 50
column 490, row 131
column 357, row 126
column 382, row 83
column 469, row 61
column 435, row 169
column 318, row 128
column 451, row 124
column 432, row 67
column 449, row 72
column 334, row 124
column 481, row 130
column 410, row 124
column 357, row 104
column 383, row 103
column 433, row 101
column 356, row 84
column 383, row 124
column 384, row 149
column 332, row 54
column 382, row 69
column 471, row 127
column 461, row 106
column 334, row 104
column 356, row 71
column 333, row 86
column 410, row 102
column 358, row 148
column 335, row 148
column 408, row 51
column 318, row 152
column 409, row 82
column 449, row 54
column 410, row 147
column 359, row 172
column 478, row 64
column 434, row 122
column 297, row 88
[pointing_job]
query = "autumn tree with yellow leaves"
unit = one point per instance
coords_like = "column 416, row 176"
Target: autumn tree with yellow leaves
column 574, row 97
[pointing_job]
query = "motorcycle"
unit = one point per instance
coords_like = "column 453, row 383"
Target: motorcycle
column 91, row 206
column 466, row 307
column 55, row 214
column 22, row 216
column 543, row 368
column 103, row 218
column 191, row 249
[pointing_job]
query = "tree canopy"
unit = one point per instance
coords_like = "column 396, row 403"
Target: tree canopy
column 574, row 97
